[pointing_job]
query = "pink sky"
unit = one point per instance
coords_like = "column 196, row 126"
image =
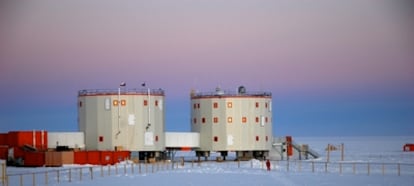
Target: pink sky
column 320, row 47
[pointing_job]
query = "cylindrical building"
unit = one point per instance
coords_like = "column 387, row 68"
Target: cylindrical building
column 130, row 119
column 237, row 121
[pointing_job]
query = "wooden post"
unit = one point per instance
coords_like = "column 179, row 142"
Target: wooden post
column 70, row 175
column 34, row 179
column 328, row 150
column 313, row 166
column 353, row 168
column 368, row 168
column 21, row 180
column 340, row 168
column 80, row 174
column 58, row 176
column 46, row 179
column 342, row 151
column 287, row 165
column 399, row 169
column 326, row 167
column 91, row 172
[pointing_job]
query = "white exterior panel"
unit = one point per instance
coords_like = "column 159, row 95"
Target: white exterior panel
column 70, row 139
column 182, row 139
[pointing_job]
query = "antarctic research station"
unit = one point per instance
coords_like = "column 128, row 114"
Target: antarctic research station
column 120, row 124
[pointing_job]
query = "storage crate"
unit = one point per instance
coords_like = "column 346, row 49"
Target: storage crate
column 37, row 139
column 57, row 159
column 34, row 159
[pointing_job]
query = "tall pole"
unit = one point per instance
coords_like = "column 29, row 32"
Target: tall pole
column 119, row 111
column 149, row 107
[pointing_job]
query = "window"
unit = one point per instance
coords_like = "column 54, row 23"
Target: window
column 156, row 138
column 267, row 138
column 229, row 120
column 215, row 119
column 257, row 104
column 229, row 105
column 145, row 102
column 194, row 106
column 266, row 105
column 244, row 119
column 266, row 119
column 156, row 103
column 115, row 102
column 257, row 138
column 123, row 102
column 107, row 104
column 80, row 103
column 203, row 120
column 215, row 105
column 215, row 139
column 257, row 119
column 198, row 105
column 101, row 138
column 194, row 120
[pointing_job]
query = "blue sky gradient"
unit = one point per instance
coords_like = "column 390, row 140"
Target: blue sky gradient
column 334, row 67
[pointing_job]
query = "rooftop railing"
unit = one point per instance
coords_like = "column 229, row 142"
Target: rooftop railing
column 144, row 91
column 231, row 94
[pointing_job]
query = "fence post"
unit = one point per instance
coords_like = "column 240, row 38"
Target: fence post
column 340, row 168
column 399, row 169
column 58, row 176
column 132, row 168
column 300, row 166
column 116, row 169
column 383, row 169
column 251, row 164
column 80, row 174
column 326, row 167
column 70, row 175
column 287, row 165
column 109, row 170
column 313, row 166
column 102, row 174
column 46, row 179
column 342, row 152
column 238, row 163
column 91, row 171
column 353, row 168
column 368, row 167
column 34, row 179
column 124, row 168
column 21, row 180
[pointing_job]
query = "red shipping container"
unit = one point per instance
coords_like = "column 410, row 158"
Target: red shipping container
column 119, row 156
column 94, row 157
column 107, row 158
column 34, row 159
column 18, row 153
column 37, row 139
column 4, row 152
column 80, row 157
column 3, row 139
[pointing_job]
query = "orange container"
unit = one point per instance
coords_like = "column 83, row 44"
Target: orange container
column 119, row 156
column 34, row 159
column 94, row 157
column 289, row 145
column 3, row 139
column 55, row 158
column 107, row 158
column 4, row 152
column 37, row 139
column 80, row 157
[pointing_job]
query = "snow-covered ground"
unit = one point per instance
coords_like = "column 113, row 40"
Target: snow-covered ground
column 368, row 161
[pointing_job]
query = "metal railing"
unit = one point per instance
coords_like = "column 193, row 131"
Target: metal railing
column 88, row 173
column 141, row 91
